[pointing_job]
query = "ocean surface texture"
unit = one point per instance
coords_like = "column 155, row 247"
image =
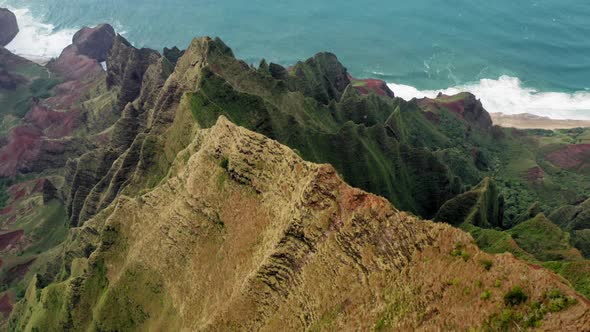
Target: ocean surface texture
column 517, row 56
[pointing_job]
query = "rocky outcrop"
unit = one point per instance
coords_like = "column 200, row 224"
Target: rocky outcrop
column 80, row 60
column 572, row 217
column 371, row 85
column 126, row 67
column 576, row 220
column 74, row 66
column 8, row 26
column 96, row 42
column 322, row 77
column 173, row 54
column 49, row 191
column 465, row 105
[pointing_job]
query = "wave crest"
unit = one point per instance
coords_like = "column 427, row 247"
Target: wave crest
column 38, row 41
column 509, row 96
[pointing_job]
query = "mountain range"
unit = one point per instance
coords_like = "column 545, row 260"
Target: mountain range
column 189, row 190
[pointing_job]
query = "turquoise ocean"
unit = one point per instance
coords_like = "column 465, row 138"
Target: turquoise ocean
column 516, row 55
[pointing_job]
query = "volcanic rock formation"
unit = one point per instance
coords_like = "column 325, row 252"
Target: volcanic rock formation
column 8, row 26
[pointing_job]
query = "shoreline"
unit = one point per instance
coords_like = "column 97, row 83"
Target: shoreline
column 38, row 59
column 531, row 121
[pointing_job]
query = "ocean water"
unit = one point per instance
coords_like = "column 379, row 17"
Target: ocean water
column 516, row 55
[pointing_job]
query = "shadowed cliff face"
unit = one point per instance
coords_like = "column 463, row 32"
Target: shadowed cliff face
column 246, row 235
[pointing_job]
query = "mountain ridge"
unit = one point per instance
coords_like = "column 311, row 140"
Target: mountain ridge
column 132, row 131
column 305, row 228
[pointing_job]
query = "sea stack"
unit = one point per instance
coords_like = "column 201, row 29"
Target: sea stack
column 8, row 26
column 89, row 47
column 95, row 42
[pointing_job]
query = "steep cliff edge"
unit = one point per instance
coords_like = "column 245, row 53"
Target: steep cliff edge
column 245, row 235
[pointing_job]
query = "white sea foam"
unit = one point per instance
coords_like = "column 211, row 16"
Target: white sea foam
column 509, row 96
column 36, row 40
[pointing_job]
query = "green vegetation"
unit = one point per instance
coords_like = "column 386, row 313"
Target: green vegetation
column 541, row 238
column 483, row 206
column 486, row 263
column 515, row 296
column 517, row 314
column 38, row 83
column 576, row 272
column 460, row 251
column 5, row 183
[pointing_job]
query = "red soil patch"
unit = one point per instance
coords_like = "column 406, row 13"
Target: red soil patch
column 74, row 66
column 6, row 210
column 11, row 238
column 17, row 271
column 535, row 266
column 372, row 85
column 455, row 106
column 53, row 124
column 17, row 192
column 464, row 105
column 38, row 186
column 535, row 174
column 6, row 305
column 24, row 144
column 571, row 157
column 67, row 94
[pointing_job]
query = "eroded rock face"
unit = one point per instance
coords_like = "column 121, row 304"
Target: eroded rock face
column 464, row 105
column 8, row 26
column 81, row 60
column 126, row 67
column 95, row 42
